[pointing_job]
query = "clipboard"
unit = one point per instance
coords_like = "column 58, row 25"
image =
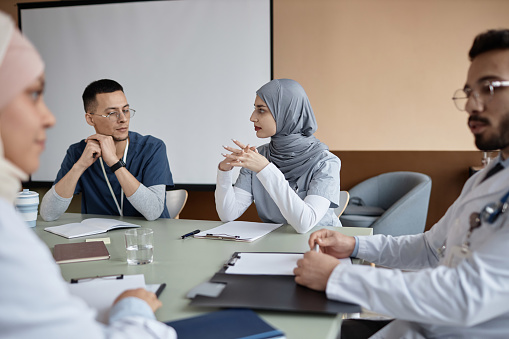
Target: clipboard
column 265, row 292
column 238, row 231
column 99, row 292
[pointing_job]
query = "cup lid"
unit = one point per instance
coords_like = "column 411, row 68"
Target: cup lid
column 26, row 193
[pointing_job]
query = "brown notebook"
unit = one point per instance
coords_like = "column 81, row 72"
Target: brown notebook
column 80, row 251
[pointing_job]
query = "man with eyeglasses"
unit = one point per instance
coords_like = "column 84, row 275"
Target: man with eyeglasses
column 453, row 280
column 112, row 163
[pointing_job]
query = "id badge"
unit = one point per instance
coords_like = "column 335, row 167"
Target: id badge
column 456, row 255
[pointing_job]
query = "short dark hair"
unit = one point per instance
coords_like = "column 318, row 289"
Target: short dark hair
column 488, row 41
column 98, row 87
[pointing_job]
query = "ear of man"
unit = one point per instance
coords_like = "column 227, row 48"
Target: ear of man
column 90, row 119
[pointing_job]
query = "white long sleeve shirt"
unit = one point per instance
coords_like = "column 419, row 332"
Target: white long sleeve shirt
column 460, row 298
column 302, row 214
column 35, row 301
column 149, row 201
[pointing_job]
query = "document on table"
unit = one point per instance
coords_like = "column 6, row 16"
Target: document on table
column 100, row 292
column 88, row 227
column 238, row 231
column 253, row 263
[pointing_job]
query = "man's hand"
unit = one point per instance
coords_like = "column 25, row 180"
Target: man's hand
column 91, row 153
column 314, row 270
column 107, row 145
column 141, row 293
column 332, row 243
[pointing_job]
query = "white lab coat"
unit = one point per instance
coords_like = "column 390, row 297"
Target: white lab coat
column 468, row 300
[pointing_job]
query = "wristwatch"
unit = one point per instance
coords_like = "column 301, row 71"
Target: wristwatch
column 118, row 165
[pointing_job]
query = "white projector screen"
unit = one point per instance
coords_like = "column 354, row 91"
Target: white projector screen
column 190, row 69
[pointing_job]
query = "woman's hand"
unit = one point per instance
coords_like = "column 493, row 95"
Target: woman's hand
column 247, row 157
column 141, row 293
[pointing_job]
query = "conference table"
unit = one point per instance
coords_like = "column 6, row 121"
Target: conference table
column 185, row 263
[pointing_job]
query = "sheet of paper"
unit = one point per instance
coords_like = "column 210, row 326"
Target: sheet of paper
column 265, row 263
column 247, row 231
column 99, row 293
column 269, row 263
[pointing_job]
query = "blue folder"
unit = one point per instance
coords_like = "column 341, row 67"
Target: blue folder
column 235, row 323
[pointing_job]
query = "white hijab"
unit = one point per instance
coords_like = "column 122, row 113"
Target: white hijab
column 20, row 64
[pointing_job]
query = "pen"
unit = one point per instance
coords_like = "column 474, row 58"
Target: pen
column 190, row 234
column 317, row 248
column 105, row 277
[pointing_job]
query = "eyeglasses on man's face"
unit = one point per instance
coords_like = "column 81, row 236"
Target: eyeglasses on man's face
column 128, row 113
column 482, row 93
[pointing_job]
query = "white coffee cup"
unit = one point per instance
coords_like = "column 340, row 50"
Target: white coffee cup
column 26, row 204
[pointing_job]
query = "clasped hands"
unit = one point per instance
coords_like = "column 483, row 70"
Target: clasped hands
column 247, row 157
column 315, row 268
column 99, row 145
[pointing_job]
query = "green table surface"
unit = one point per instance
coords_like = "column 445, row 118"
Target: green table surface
column 183, row 264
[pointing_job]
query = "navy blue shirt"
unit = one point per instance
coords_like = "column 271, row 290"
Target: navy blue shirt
column 146, row 161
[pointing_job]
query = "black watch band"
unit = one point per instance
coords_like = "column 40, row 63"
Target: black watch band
column 119, row 164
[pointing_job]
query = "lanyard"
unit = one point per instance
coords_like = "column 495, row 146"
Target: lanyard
column 121, row 207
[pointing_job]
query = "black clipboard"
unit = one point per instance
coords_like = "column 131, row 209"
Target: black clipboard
column 269, row 292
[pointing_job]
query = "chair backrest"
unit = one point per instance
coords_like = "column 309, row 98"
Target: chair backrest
column 386, row 189
column 403, row 195
column 344, row 198
column 175, row 201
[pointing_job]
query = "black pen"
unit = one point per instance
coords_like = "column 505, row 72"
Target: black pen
column 190, row 234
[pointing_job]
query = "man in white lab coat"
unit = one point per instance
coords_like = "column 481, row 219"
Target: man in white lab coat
column 459, row 283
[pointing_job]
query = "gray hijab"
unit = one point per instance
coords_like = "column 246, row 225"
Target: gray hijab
column 293, row 149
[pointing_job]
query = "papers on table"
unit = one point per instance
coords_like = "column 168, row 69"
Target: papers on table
column 238, row 231
column 99, row 293
column 88, row 227
column 265, row 263
column 252, row 263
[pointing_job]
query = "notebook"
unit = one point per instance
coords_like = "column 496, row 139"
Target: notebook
column 235, row 323
column 88, row 227
column 81, row 251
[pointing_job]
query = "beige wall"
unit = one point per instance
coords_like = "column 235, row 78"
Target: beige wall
column 380, row 73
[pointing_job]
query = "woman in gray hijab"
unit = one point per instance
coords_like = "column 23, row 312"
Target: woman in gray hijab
column 293, row 179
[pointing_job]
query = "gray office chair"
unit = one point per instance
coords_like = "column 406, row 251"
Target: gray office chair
column 175, row 201
column 394, row 203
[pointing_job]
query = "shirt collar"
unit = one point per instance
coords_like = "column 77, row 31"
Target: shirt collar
column 504, row 163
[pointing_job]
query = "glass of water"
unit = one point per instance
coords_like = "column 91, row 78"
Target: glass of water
column 139, row 243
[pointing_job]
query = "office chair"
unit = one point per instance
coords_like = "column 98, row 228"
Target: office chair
column 394, row 203
column 175, row 202
column 344, row 198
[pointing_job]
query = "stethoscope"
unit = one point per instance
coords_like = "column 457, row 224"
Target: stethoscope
column 488, row 214
column 121, row 207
